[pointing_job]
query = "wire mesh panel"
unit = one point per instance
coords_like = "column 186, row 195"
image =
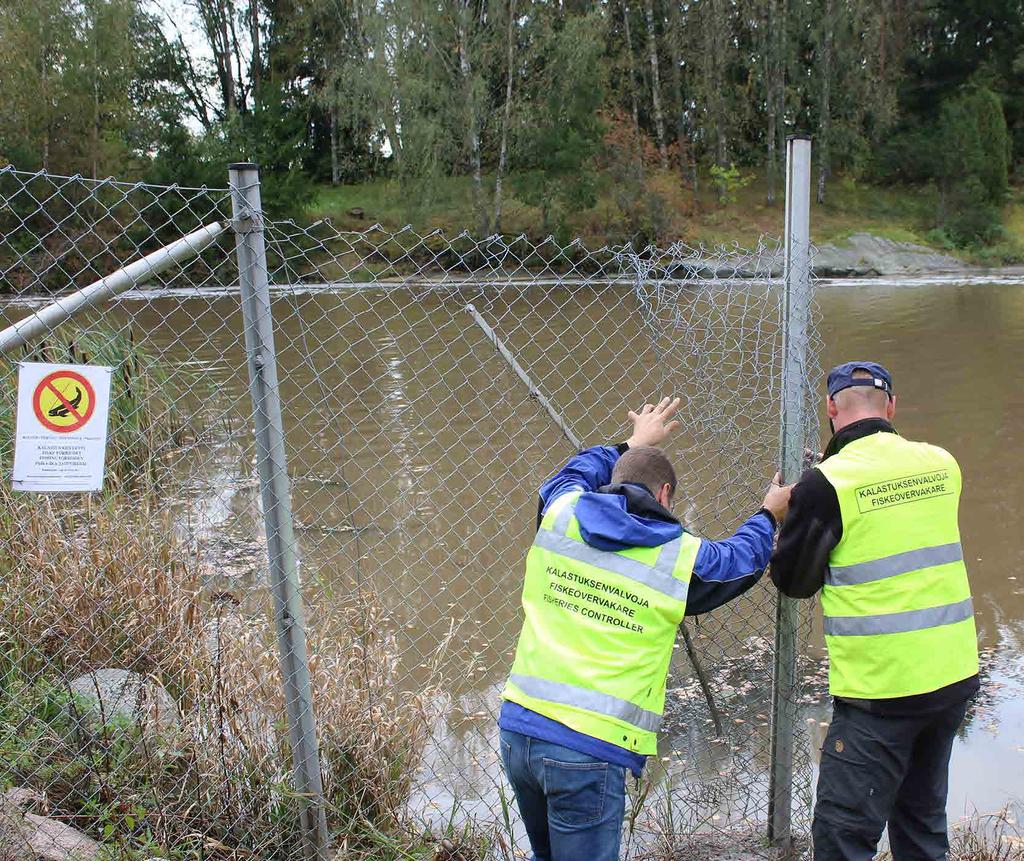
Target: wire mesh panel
column 140, row 689
column 416, row 455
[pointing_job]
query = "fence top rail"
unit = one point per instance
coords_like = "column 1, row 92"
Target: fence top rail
column 109, row 181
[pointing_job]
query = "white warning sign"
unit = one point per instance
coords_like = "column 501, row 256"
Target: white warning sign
column 60, row 437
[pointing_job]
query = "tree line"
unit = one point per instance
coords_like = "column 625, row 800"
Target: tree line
column 540, row 100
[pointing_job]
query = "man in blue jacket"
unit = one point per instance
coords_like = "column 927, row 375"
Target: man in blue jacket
column 609, row 578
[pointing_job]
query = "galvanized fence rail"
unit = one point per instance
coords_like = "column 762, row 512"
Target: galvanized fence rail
column 286, row 621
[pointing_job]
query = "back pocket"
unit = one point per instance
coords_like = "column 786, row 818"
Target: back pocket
column 575, row 790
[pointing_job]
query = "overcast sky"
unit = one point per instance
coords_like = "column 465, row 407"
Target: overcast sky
column 181, row 17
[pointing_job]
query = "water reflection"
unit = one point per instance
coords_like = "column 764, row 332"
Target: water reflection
column 415, row 458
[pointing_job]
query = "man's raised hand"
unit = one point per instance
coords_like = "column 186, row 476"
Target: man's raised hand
column 653, row 424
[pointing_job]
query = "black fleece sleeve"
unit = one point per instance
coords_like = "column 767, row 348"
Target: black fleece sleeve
column 811, row 530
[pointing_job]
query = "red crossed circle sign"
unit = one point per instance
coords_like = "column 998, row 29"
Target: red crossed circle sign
column 64, row 401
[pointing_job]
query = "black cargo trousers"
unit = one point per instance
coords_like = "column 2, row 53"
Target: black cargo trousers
column 878, row 770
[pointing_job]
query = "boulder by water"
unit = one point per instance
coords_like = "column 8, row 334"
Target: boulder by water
column 110, row 694
column 864, row 254
column 29, row 836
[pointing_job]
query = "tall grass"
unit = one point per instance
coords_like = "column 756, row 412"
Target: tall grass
column 984, row 837
column 995, row 837
column 112, row 587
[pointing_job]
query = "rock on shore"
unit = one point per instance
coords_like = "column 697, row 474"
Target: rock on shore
column 29, row 836
column 111, row 694
column 864, row 254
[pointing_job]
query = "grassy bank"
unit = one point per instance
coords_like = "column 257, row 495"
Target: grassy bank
column 198, row 766
column 892, row 212
column 120, row 591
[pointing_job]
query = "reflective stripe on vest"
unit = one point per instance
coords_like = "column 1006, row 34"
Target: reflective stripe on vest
column 659, row 576
column 898, row 623
column 592, row 701
column 891, row 566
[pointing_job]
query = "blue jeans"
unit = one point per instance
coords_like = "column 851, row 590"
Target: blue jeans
column 572, row 804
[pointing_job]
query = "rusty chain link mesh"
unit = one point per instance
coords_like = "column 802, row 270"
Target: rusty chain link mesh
column 140, row 694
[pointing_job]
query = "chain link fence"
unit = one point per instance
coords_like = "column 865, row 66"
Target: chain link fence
column 142, row 702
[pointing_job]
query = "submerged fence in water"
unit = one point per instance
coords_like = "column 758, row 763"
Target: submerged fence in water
column 287, row 619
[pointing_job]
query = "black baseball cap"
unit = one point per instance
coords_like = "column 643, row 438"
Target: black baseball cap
column 841, row 377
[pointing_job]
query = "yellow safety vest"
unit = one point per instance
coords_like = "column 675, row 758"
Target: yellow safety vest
column 898, row 614
column 597, row 639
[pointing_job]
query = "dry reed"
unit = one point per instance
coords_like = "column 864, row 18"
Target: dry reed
column 109, row 585
column 993, row 837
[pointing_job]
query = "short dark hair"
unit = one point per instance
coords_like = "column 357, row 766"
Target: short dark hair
column 645, row 465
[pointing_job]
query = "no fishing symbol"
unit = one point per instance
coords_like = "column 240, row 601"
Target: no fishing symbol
column 64, row 401
column 60, row 435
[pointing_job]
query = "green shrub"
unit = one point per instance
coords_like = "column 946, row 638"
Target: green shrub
column 966, row 155
column 729, row 181
column 975, row 167
column 971, row 218
column 939, row 237
column 908, row 156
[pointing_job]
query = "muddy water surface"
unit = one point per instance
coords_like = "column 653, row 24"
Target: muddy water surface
column 415, row 456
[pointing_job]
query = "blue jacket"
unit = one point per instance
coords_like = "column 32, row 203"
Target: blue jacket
column 614, row 517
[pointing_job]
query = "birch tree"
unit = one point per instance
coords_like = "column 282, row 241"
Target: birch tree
column 506, row 114
column 471, row 92
column 674, row 38
column 652, row 56
column 824, row 73
column 630, row 66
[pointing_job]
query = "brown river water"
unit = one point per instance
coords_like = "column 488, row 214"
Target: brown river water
column 381, row 483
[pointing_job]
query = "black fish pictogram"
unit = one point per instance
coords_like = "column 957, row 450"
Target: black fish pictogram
column 61, row 410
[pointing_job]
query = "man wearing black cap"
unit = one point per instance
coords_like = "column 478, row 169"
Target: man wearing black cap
column 874, row 528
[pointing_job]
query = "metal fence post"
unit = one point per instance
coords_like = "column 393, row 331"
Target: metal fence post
column 277, row 513
column 796, row 319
